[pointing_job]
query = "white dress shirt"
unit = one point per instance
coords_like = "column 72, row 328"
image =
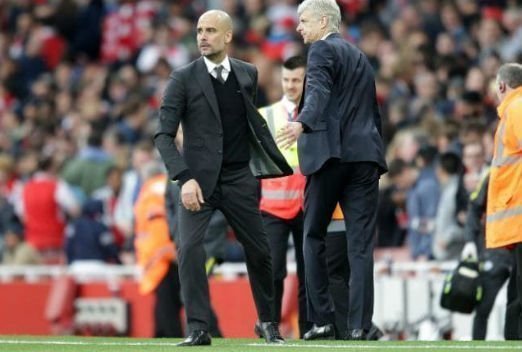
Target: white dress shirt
column 211, row 67
column 290, row 107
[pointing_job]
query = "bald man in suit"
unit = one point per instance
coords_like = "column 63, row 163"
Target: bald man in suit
column 226, row 145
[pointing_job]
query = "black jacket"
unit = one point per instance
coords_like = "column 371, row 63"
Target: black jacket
column 189, row 99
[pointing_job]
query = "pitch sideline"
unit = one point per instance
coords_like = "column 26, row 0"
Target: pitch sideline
column 264, row 345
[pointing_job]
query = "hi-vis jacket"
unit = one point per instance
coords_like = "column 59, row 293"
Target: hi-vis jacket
column 154, row 248
column 282, row 197
column 504, row 208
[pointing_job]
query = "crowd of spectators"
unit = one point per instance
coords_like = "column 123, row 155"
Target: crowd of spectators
column 81, row 80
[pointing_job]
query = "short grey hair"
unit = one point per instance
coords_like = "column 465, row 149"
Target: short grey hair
column 510, row 74
column 320, row 8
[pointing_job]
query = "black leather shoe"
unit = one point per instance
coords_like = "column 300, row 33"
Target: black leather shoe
column 197, row 338
column 374, row 333
column 323, row 332
column 355, row 334
column 270, row 331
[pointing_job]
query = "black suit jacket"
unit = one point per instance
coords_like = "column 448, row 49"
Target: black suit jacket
column 189, row 99
column 340, row 112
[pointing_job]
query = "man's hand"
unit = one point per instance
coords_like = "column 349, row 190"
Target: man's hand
column 191, row 195
column 287, row 136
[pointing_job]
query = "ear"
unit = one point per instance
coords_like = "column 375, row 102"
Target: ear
column 501, row 87
column 228, row 37
column 324, row 21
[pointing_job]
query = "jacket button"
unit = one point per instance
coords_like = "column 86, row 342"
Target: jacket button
column 220, row 151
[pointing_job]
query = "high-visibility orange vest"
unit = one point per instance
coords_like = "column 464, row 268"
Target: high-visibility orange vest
column 154, row 248
column 504, row 205
column 282, row 197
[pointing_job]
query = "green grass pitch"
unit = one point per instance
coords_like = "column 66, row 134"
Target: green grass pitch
column 92, row 344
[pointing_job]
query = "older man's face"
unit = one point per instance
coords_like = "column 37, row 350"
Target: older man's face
column 310, row 27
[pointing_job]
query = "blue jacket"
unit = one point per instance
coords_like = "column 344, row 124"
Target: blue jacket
column 340, row 114
column 88, row 238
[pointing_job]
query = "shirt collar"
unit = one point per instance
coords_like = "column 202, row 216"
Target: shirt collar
column 288, row 105
column 326, row 35
column 211, row 65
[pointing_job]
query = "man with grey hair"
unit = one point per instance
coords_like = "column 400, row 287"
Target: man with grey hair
column 342, row 154
column 504, row 204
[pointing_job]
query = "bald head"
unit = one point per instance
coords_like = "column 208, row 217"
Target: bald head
column 219, row 17
column 214, row 34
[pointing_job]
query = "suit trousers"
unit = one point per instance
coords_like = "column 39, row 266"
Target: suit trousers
column 237, row 196
column 338, row 278
column 278, row 231
column 355, row 187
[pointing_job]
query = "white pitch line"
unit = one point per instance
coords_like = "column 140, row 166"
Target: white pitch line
column 76, row 343
column 286, row 345
column 392, row 347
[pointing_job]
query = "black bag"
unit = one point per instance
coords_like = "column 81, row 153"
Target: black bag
column 462, row 290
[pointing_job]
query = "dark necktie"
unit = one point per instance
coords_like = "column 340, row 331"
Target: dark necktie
column 219, row 76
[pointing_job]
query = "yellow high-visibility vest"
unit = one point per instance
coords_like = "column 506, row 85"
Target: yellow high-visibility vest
column 282, row 197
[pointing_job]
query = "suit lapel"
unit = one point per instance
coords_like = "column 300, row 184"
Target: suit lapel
column 203, row 78
column 241, row 75
column 243, row 79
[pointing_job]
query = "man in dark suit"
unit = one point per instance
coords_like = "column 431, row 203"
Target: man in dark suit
column 342, row 154
column 226, row 145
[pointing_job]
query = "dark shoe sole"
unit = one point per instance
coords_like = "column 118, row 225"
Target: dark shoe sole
column 183, row 344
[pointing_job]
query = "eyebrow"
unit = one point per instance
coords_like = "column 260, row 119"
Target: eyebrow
column 202, row 28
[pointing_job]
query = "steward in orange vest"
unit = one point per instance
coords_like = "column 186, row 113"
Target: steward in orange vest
column 155, row 253
column 154, row 248
column 504, row 206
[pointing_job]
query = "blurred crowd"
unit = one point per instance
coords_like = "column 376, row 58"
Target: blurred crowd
column 81, row 81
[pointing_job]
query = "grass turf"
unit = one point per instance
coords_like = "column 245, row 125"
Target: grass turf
column 93, row 344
